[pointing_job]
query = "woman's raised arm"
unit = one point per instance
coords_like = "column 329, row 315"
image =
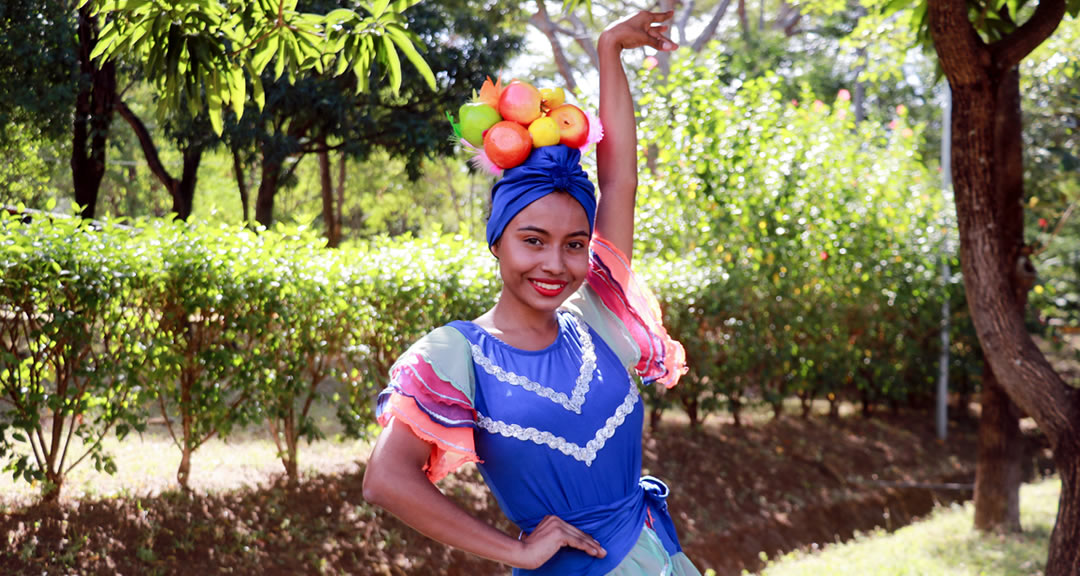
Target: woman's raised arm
column 616, row 154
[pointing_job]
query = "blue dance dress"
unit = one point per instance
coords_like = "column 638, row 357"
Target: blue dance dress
column 555, row 431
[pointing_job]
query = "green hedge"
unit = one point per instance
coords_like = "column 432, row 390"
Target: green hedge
column 104, row 326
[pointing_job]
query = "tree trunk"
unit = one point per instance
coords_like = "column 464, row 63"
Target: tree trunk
column 690, row 404
column 744, row 21
column 777, row 409
column 655, row 415
column 1065, row 539
column 241, row 183
column 292, row 471
column 1000, row 447
column 93, row 116
column 339, row 214
column 183, row 473
column 184, row 195
column 264, row 199
column 50, row 492
column 326, row 182
column 997, row 466
column 975, row 72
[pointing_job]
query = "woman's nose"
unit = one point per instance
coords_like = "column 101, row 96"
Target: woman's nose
column 553, row 262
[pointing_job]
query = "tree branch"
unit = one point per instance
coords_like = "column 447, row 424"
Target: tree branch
column 585, row 40
column 148, row 147
column 1010, row 50
column 1061, row 222
column 542, row 22
column 710, row 28
column 681, row 21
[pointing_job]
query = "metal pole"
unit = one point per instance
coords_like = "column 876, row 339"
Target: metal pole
column 946, row 184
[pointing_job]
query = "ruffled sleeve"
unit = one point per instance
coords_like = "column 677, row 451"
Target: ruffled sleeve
column 626, row 314
column 431, row 391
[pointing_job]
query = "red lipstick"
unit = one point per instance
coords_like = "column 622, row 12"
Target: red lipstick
column 548, row 288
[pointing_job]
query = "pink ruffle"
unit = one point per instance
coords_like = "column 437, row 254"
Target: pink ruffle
column 435, row 411
column 451, row 448
column 663, row 359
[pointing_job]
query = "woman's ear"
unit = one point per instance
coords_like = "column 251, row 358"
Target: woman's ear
column 494, row 248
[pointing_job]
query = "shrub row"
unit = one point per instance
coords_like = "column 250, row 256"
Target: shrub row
column 209, row 328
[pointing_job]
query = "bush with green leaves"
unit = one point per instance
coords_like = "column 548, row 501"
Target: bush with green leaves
column 74, row 326
column 826, row 238
column 409, row 286
column 213, row 294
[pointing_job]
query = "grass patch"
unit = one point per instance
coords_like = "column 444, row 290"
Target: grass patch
column 944, row 544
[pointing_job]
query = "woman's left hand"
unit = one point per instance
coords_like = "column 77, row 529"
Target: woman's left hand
column 641, row 29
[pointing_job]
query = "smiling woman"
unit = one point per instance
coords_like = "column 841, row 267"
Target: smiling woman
column 540, row 390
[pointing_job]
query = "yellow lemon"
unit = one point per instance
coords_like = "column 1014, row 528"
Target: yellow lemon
column 544, row 131
column 553, row 97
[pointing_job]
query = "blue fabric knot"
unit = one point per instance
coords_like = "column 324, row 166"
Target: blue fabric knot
column 561, row 178
column 656, row 493
column 548, row 169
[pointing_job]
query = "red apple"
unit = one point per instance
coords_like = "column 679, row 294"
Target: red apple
column 520, row 102
column 573, row 125
column 507, row 144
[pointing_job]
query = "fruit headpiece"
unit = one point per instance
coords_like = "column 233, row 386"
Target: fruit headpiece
column 534, row 140
column 502, row 125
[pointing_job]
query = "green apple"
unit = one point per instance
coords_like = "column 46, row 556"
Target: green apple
column 475, row 118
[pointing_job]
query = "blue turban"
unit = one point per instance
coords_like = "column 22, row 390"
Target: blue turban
column 547, row 169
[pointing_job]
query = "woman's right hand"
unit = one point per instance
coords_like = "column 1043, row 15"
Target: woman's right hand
column 549, row 537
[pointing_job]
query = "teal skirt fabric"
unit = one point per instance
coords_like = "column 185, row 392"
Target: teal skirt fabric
column 648, row 557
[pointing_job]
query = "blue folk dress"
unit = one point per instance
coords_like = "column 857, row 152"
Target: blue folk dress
column 555, row 431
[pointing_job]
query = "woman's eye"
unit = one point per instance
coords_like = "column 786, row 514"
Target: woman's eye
column 532, row 240
column 577, row 245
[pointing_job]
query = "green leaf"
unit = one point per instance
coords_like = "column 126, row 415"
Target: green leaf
column 393, row 62
column 264, row 52
column 402, row 40
column 257, row 93
column 214, row 100
column 106, row 39
column 341, row 66
column 338, row 16
column 379, row 8
column 894, row 6
column 237, row 90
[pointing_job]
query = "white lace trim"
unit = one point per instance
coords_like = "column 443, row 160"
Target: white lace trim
column 586, row 453
column 581, row 386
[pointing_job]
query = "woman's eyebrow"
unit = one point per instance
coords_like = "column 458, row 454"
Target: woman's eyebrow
column 534, row 229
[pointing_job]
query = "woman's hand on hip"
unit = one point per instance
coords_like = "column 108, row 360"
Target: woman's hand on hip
column 550, row 536
column 641, row 29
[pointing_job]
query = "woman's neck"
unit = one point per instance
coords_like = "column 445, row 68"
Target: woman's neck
column 520, row 325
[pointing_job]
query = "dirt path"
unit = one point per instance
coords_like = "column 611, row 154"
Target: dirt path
column 735, row 493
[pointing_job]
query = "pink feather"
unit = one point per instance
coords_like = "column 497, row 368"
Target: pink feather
column 480, row 160
column 596, row 131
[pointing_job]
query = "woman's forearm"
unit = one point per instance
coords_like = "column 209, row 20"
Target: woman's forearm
column 616, row 154
column 396, row 483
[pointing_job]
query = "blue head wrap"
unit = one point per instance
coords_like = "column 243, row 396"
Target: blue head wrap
column 547, row 169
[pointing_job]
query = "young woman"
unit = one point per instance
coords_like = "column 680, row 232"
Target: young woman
column 537, row 390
